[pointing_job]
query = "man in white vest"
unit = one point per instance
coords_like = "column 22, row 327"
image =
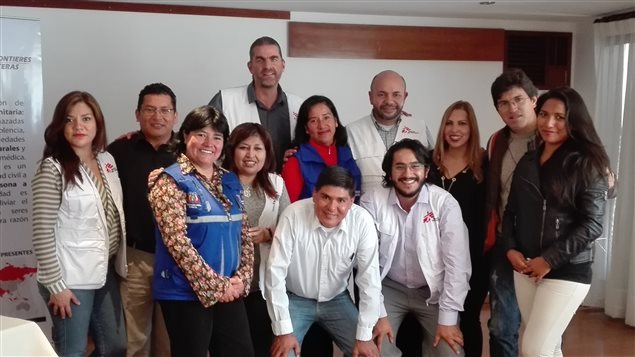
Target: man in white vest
column 424, row 252
column 370, row 136
column 263, row 100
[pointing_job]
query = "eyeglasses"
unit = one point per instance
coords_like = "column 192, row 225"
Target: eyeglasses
column 415, row 166
column 506, row 104
column 149, row 111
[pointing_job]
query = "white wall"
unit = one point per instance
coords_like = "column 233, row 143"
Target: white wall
column 114, row 54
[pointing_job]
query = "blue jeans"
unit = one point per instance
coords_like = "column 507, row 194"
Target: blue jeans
column 504, row 321
column 337, row 316
column 99, row 314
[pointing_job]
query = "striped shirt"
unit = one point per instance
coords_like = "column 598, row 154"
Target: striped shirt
column 47, row 198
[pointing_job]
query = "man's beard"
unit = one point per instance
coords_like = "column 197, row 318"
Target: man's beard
column 412, row 194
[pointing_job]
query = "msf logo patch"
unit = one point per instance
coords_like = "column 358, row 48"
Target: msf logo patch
column 429, row 217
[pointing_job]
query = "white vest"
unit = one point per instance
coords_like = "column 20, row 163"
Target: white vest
column 269, row 219
column 368, row 148
column 238, row 110
column 81, row 232
column 428, row 242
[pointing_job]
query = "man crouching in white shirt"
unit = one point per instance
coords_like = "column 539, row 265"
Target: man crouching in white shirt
column 423, row 250
column 317, row 243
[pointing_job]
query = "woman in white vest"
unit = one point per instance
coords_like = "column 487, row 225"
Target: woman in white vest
column 78, row 230
column 250, row 155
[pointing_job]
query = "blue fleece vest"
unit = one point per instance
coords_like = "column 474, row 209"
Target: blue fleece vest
column 215, row 235
column 311, row 165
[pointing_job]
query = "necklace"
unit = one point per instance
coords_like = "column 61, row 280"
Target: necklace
column 246, row 190
column 452, row 180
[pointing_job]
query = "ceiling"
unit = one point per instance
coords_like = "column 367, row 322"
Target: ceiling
column 568, row 10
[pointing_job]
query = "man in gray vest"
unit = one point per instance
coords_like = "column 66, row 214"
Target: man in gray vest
column 263, row 100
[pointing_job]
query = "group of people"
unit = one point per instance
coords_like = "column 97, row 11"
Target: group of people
column 260, row 216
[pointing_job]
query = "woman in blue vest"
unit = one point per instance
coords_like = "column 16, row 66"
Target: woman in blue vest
column 204, row 256
column 79, row 231
column 322, row 141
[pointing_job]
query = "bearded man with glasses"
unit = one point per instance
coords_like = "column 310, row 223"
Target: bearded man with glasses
column 424, row 253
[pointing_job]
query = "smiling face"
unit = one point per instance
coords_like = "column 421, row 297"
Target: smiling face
column 266, row 66
column 203, row 147
column 321, row 124
column 552, row 122
column 387, row 96
column 407, row 174
column 456, row 132
column 516, row 109
column 80, row 128
column 156, row 117
column 331, row 204
column 250, row 156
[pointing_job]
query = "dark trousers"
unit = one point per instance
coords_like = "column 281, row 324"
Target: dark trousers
column 195, row 330
column 259, row 324
column 471, row 314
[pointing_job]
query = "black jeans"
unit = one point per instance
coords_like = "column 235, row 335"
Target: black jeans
column 194, row 330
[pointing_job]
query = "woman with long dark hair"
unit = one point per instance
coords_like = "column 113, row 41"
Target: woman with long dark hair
column 251, row 156
column 459, row 166
column 79, row 230
column 553, row 216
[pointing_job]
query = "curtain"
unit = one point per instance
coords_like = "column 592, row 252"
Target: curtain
column 614, row 268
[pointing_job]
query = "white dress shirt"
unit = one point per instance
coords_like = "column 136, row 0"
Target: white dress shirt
column 442, row 244
column 313, row 262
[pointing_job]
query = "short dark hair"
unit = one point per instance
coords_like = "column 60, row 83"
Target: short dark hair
column 512, row 77
column 202, row 117
column 156, row 89
column 336, row 176
column 340, row 138
column 262, row 41
column 421, row 154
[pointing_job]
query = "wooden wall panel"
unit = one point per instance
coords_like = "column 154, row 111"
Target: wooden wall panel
column 320, row 40
column 151, row 8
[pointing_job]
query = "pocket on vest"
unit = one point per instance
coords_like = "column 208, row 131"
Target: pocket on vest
column 84, row 262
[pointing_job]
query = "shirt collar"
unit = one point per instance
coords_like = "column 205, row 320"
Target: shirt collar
column 187, row 167
column 380, row 126
column 424, row 196
column 140, row 138
column 251, row 94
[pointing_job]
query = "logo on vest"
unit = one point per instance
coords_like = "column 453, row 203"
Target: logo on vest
column 407, row 130
column 193, row 199
column 110, row 168
column 429, row 217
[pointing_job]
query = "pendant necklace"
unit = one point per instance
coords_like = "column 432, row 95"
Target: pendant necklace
column 246, row 189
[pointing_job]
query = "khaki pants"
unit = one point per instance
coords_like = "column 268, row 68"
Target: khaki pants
column 147, row 335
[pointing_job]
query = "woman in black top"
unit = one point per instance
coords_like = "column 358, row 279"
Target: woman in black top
column 459, row 168
column 554, row 213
